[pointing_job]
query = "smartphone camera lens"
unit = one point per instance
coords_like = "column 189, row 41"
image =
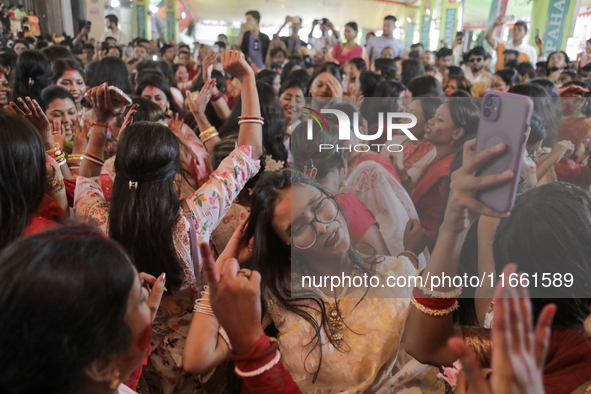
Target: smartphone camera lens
column 486, row 112
column 488, row 101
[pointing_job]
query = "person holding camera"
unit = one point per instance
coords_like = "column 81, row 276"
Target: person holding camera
column 251, row 41
column 326, row 41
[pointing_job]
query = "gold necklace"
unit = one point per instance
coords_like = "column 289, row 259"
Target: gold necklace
column 335, row 324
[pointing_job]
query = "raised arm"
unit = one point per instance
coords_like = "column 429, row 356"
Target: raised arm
column 427, row 329
column 220, row 106
column 197, row 107
column 489, row 33
column 104, row 112
column 251, row 130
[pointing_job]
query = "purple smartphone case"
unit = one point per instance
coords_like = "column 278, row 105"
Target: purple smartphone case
column 505, row 121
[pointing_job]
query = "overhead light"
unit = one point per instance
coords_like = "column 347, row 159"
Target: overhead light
column 183, row 15
column 115, row 3
column 153, row 9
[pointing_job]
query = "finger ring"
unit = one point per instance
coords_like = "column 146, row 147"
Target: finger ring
column 246, row 272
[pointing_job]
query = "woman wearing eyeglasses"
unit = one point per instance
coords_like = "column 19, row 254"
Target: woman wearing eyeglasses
column 331, row 340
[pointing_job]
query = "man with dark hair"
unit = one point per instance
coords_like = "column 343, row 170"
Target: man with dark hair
column 168, row 53
column 8, row 61
column 474, row 70
column 418, row 47
column 428, row 58
column 510, row 55
column 526, row 71
column 224, row 39
column 527, row 53
column 444, row 58
column 377, row 44
column 326, row 41
column 541, row 69
column 185, row 60
column 292, row 43
column 251, row 41
column 111, row 22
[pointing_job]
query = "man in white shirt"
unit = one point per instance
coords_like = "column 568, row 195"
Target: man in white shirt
column 527, row 52
column 377, row 44
column 111, row 22
column 326, row 41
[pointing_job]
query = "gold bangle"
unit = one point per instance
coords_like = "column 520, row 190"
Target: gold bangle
column 455, row 293
column 56, row 147
column 207, row 132
column 74, row 157
column 209, row 137
column 414, row 259
column 434, row 312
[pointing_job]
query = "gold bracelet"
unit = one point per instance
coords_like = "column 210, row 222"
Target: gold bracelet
column 455, row 293
column 207, row 132
column 74, row 157
column 434, row 312
column 204, row 140
column 56, row 147
column 414, row 259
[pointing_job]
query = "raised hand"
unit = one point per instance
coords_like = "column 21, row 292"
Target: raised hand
column 519, row 352
column 176, row 125
column 79, row 135
column 208, row 62
column 335, row 87
column 234, row 64
column 197, row 106
column 127, row 120
column 463, row 207
column 31, row 110
column 235, row 297
column 102, row 105
column 234, row 247
column 155, row 292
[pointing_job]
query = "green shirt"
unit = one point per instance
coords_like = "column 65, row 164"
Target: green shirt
column 20, row 14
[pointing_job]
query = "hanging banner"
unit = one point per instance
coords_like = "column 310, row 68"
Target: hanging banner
column 554, row 19
column 171, row 20
column 497, row 7
column 425, row 24
column 409, row 30
column 140, row 17
column 449, row 20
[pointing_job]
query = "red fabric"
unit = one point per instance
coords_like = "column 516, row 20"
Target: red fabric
column 382, row 161
column 429, row 192
column 415, row 151
column 39, row 224
column 193, row 70
column 106, row 187
column 571, row 172
column 274, row 381
column 568, row 364
column 49, row 209
column 359, row 217
column 133, row 380
column 430, row 302
column 339, row 57
column 574, row 130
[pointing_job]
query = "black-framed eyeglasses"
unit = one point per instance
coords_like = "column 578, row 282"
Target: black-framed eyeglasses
column 475, row 59
column 327, row 210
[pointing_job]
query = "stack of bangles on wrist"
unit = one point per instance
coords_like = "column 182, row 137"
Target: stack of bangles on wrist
column 74, row 161
column 55, row 185
column 208, row 134
column 414, row 259
column 57, row 154
column 251, row 119
column 435, row 303
column 93, row 158
column 201, row 306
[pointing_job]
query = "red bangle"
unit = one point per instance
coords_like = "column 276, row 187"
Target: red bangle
column 430, row 302
column 100, row 125
column 216, row 97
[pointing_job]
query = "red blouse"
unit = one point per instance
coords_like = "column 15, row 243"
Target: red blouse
column 359, row 217
column 342, row 58
column 429, row 192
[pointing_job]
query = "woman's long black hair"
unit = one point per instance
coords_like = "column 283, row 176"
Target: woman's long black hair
column 154, row 78
column 30, row 75
column 60, row 66
column 63, row 301
column 142, row 219
column 22, row 179
column 275, row 122
column 273, row 258
column 111, row 70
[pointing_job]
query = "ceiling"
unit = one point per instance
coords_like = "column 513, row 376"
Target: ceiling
column 367, row 13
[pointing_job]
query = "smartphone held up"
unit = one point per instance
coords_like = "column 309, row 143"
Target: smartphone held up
column 504, row 118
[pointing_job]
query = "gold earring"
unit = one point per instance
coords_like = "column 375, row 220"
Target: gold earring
column 115, row 381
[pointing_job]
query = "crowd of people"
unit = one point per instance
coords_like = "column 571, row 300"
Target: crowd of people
column 150, row 242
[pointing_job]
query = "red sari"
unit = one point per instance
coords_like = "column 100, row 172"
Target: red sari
column 574, row 130
column 568, row 364
column 429, row 192
column 48, row 211
column 381, row 160
column 360, row 218
column 415, row 151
